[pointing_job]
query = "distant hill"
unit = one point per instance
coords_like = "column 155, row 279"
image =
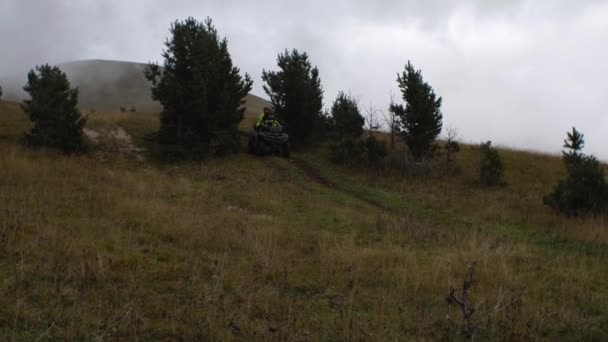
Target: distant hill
column 108, row 86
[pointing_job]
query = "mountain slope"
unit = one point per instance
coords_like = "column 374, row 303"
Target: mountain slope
column 245, row 248
column 108, row 86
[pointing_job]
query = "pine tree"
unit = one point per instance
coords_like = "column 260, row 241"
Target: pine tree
column 348, row 121
column 202, row 93
column 53, row 109
column 584, row 190
column 297, row 97
column 420, row 119
column 491, row 168
column 574, row 144
column 1, row 93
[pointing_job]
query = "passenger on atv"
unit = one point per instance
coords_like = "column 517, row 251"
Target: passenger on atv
column 268, row 136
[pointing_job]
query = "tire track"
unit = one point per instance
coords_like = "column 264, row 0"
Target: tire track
column 316, row 177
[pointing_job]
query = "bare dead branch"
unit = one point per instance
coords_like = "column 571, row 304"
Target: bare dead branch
column 463, row 303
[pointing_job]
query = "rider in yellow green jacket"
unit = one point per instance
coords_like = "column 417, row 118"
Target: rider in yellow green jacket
column 267, row 118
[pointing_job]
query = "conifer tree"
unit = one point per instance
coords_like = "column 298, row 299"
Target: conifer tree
column 1, row 93
column 348, row 121
column 574, row 144
column 491, row 167
column 297, row 97
column 584, row 190
column 420, row 120
column 53, row 110
column 202, row 93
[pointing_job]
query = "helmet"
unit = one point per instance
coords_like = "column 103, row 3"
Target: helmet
column 269, row 113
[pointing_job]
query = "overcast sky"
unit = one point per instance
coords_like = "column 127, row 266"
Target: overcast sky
column 520, row 73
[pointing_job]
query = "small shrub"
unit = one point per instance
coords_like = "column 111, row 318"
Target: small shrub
column 584, row 190
column 225, row 143
column 451, row 146
column 347, row 151
column 491, row 168
column 375, row 150
column 451, row 149
column 329, row 124
column 369, row 151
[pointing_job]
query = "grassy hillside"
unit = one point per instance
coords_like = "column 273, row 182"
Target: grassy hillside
column 247, row 248
column 107, row 86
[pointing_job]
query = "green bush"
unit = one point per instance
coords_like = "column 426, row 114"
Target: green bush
column 369, row 151
column 584, row 190
column 375, row 150
column 225, row 143
column 346, row 151
column 491, row 167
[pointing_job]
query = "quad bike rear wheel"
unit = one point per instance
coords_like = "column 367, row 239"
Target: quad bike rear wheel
column 285, row 153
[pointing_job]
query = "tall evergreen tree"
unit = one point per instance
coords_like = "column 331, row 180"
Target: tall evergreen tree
column 202, row 93
column 348, row 121
column 53, row 109
column 420, row 120
column 584, row 190
column 574, row 144
column 297, row 96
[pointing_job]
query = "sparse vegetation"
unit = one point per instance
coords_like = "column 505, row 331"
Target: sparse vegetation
column 53, row 110
column 391, row 120
column 452, row 147
column 584, row 190
column 375, row 150
column 245, row 249
column 202, row 93
column 491, row 167
column 368, row 151
column 372, row 119
column 297, row 97
column 420, row 120
column 349, row 124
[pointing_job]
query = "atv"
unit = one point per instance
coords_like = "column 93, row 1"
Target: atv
column 269, row 140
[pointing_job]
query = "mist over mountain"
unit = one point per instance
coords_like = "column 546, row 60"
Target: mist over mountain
column 111, row 85
column 105, row 86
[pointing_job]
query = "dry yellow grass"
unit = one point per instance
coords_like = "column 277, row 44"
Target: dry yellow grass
column 252, row 249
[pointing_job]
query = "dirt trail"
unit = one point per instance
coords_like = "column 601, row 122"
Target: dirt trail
column 314, row 176
column 115, row 141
